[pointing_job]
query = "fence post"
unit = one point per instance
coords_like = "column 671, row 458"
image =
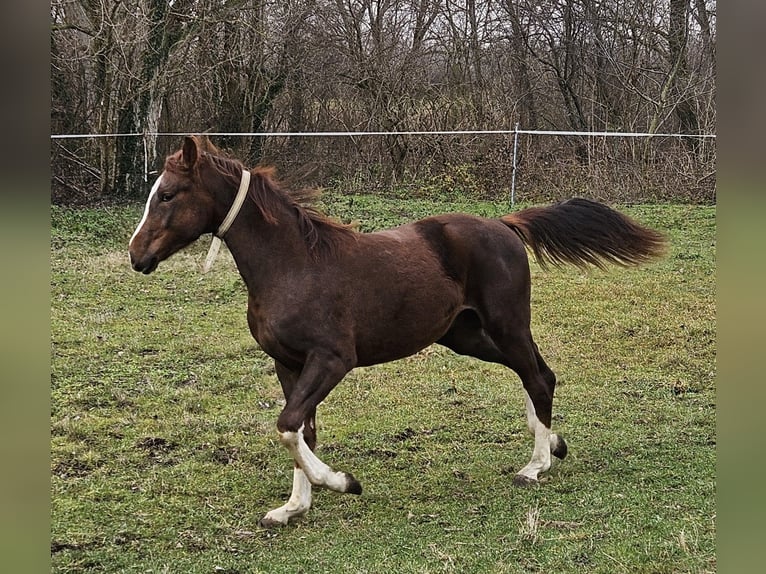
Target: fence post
column 146, row 157
column 513, row 173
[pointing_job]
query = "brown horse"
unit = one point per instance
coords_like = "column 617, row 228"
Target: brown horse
column 323, row 299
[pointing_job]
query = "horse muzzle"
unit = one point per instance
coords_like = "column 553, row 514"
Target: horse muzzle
column 144, row 265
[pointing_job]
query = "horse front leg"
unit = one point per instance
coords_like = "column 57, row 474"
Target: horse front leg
column 300, row 498
column 317, row 472
column 297, row 432
column 297, row 505
column 321, row 373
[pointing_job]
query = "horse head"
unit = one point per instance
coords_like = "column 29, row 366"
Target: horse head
column 181, row 206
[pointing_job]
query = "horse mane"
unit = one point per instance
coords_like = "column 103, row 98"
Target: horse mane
column 322, row 234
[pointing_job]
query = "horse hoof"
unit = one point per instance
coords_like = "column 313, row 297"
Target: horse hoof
column 270, row 523
column 561, row 449
column 352, row 485
column 523, row 481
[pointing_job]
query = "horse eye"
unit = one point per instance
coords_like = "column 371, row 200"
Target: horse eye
column 165, row 197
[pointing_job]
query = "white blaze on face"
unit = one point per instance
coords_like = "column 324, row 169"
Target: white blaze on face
column 152, row 193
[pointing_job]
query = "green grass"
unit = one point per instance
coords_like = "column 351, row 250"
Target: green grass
column 164, row 451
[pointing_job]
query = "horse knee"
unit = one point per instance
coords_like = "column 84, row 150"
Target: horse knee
column 290, row 421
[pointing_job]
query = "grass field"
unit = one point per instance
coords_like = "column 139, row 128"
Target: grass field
column 164, row 451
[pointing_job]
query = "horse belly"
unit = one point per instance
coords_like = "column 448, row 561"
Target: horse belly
column 409, row 322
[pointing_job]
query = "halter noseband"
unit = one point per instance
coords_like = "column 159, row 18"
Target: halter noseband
column 215, row 245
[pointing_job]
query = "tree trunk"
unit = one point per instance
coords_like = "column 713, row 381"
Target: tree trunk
column 677, row 41
column 527, row 104
column 141, row 113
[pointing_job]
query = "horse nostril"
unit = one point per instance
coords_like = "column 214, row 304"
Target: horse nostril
column 133, row 261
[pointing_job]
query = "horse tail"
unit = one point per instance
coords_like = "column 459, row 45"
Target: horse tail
column 584, row 232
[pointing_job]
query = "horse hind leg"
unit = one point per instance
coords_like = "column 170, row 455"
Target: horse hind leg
column 467, row 336
column 539, row 383
column 558, row 445
column 546, row 443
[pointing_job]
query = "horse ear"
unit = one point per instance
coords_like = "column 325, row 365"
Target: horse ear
column 190, row 151
column 206, row 145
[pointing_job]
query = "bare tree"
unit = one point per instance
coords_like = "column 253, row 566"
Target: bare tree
column 519, row 40
column 147, row 66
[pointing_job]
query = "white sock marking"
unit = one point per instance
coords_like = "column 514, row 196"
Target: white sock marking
column 544, row 441
column 316, row 471
column 299, row 502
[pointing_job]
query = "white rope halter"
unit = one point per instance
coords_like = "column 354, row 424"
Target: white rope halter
column 212, row 253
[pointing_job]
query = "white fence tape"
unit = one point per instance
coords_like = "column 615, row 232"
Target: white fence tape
column 393, row 133
column 515, row 132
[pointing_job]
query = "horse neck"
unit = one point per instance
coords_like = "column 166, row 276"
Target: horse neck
column 264, row 251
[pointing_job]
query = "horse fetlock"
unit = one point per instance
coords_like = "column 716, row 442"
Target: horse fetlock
column 336, row 481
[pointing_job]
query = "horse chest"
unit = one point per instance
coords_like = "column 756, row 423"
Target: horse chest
column 264, row 331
